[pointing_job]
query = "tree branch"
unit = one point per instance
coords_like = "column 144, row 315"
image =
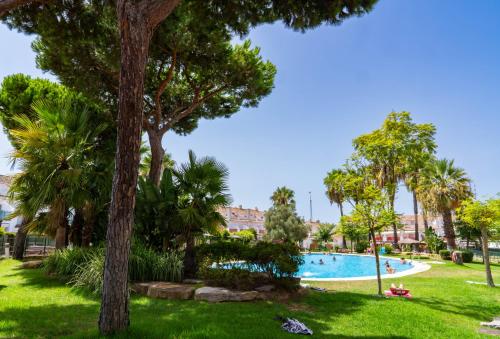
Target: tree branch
column 196, row 102
column 163, row 86
column 7, row 5
column 155, row 11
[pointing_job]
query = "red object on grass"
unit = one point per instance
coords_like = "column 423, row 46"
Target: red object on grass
column 398, row 292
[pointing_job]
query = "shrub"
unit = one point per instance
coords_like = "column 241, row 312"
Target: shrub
column 65, row 263
column 223, row 261
column 247, row 235
column 467, row 256
column 361, row 246
column 90, row 274
column 83, row 267
column 445, row 254
column 237, row 278
column 388, row 249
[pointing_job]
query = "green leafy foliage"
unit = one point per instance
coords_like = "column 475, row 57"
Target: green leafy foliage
column 434, row 242
column 247, row 235
column 445, row 254
column 388, row 249
column 324, row 234
column 222, row 259
column 83, row 267
column 361, row 246
column 156, row 212
column 467, row 256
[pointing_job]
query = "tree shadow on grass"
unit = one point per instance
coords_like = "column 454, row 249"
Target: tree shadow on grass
column 155, row 319
column 474, row 311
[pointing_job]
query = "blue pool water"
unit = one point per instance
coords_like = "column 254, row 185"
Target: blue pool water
column 345, row 266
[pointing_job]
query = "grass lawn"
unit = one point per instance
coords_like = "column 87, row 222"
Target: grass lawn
column 444, row 306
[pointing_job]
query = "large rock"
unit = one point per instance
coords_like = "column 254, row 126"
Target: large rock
column 141, row 287
column 265, row 288
column 165, row 290
column 218, row 294
column 31, row 264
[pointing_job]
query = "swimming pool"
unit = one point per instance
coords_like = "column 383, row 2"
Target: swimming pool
column 352, row 267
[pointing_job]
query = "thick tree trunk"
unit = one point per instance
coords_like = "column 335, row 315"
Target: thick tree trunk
column 137, row 21
column 449, row 233
column 88, row 224
column 20, row 241
column 486, row 257
column 377, row 263
column 189, row 258
column 157, row 154
column 61, row 237
column 344, row 242
column 77, row 228
column 135, row 37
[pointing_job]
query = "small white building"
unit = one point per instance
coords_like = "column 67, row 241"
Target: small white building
column 6, row 207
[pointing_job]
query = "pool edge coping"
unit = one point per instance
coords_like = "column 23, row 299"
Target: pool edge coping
column 418, row 267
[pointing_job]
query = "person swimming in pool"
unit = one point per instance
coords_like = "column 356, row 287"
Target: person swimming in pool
column 334, row 259
column 321, row 262
column 388, row 268
column 312, row 262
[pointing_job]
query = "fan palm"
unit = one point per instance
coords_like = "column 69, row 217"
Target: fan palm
column 283, row 196
column 53, row 156
column 335, row 182
column 156, row 217
column 324, row 233
column 442, row 188
column 202, row 187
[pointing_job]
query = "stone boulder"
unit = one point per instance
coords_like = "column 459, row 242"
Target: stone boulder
column 166, row 290
column 32, row 264
column 192, row 281
column 219, row 294
column 265, row 288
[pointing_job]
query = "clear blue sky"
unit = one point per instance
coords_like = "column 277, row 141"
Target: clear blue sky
column 439, row 60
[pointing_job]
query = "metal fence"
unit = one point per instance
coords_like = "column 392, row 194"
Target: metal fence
column 494, row 255
column 33, row 245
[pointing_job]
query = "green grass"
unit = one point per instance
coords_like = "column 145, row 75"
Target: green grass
column 444, row 306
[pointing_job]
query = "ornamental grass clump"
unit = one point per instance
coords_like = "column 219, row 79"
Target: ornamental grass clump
column 83, row 267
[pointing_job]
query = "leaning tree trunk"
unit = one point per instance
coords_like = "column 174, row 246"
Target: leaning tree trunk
column 157, row 154
column 20, row 241
column 449, row 233
column 486, row 257
column 377, row 263
column 137, row 21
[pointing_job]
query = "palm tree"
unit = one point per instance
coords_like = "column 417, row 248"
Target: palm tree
column 53, row 152
column 334, row 182
column 442, row 188
column 156, row 221
column 202, row 187
column 283, row 196
column 324, row 233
